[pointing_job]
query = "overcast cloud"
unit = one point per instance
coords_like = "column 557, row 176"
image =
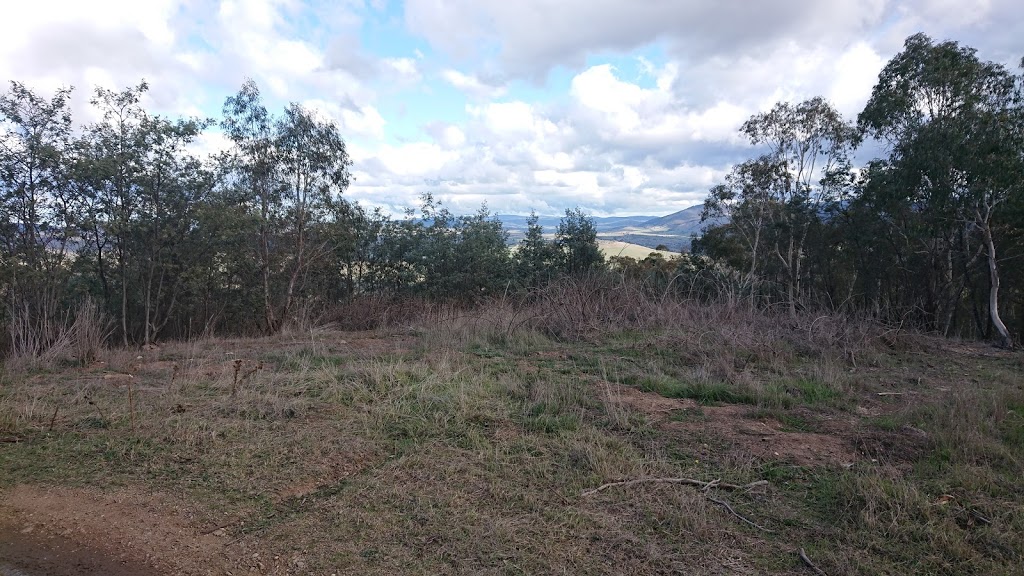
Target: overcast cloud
column 620, row 107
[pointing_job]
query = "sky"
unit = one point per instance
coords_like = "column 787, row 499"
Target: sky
column 620, row 107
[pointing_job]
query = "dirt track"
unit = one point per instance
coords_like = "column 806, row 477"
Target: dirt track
column 72, row 532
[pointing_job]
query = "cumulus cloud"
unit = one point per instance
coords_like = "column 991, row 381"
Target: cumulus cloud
column 652, row 139
column 535, row 35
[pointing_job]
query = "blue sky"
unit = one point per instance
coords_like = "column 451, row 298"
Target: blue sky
column 620, row 107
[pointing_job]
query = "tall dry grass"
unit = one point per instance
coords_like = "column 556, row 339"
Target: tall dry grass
column 39, row 341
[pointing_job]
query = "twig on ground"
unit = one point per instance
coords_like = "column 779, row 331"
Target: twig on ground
column 806, row 560
column 737, row 514
column 53, row 418
column 688, row 481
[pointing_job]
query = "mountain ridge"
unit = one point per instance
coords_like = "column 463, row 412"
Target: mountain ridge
column 674, row 231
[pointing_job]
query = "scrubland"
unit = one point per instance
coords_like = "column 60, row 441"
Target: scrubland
column 489, row 440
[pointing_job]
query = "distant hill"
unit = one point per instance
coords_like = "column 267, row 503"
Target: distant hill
column 675, row 231
column 615, row 248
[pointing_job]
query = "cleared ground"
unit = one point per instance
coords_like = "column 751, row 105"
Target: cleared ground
column 464, row 446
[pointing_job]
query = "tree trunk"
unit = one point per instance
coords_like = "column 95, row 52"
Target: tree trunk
column 993, row 294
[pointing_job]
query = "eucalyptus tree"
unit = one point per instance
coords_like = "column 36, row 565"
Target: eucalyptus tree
column 288, row 172
column 953, row 125
column 254, row 168
column 313, row 164
column 112, row 164
column 35, row 221
column 742, row 205
column 174, row 187
column 808, row 154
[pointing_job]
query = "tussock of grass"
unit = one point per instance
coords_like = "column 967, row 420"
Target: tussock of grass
column 703, row 392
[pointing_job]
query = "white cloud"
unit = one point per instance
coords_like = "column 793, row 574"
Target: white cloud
column 405, row 69
column 364, row 121
column 650, row 142
column 535, row 35
column 472, row 86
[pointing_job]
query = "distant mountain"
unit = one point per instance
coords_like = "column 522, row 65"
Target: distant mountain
column 683, row 222
column 550, row 223
column 674, row 231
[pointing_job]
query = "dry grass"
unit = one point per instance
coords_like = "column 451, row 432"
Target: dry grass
column 459, row 441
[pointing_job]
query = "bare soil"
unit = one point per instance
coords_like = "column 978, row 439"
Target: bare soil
column 732, row 426
column 84, row 532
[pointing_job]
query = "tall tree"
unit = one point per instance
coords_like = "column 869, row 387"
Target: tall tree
column 174, row 186
column 808, row 147
column 251, row 128
column 771, row 202
column 35, row 216
column 953, row 124
column 314, row 170
column 115, row 170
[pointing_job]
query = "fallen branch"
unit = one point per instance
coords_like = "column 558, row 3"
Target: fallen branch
column 687, row 481
column 737, row 514
column 806, row 560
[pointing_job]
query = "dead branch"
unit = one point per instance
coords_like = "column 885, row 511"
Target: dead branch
column 687, row 481
column 737, row 514
column 806, row 560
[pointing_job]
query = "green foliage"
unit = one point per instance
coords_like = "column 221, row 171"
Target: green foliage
column 918, row 236
column 260, row 238
column 536, row 257
column 576, row 240
column 35, row 218
column 441, row 256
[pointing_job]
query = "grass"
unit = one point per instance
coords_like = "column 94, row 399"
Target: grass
column 463, row 447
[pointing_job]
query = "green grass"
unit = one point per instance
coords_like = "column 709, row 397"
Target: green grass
column 703, row 392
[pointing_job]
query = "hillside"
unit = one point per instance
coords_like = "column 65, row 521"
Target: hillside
column 612, row 248
column 675, row 230
column 581, row 435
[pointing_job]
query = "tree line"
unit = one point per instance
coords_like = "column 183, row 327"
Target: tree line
column 122, row 219
column 122, row 214
column 930, row 233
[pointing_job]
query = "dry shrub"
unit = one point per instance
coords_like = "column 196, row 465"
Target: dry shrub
column 726, row 336
column 39, row 341
column 374, row 311
column 307, row 315
column 35, row 327
column 90, row 331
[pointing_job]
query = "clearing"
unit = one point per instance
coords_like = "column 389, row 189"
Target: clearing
column 462, row 446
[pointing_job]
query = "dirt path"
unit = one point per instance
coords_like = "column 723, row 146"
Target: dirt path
column 76, row 532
